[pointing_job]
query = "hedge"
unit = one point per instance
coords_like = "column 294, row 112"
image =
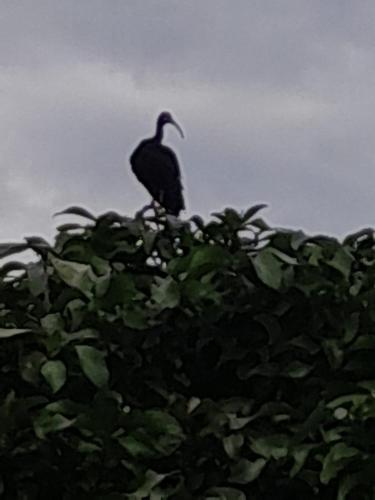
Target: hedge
column 165, row 359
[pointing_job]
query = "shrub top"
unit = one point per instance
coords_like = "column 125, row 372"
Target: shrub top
column 163, row 359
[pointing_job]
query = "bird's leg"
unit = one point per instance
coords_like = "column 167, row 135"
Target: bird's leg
column 141, row 212
column 153, row 205
column 156, row 208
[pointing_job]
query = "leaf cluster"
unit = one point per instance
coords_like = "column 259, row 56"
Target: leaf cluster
column 166, row 359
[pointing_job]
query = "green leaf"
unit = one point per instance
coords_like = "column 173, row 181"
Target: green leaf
column 151, row 479
column 75, row 310
column 77, row 211
column 69, row 227
column 208, row 257
column 354, row 399
column 334, row 352
column 250, row 212
column 306, row 343
column 12, row 266
column 87, row 448
column 313, row 422
column 347, row 484
column 165, row 429
column 233, row 444
column 54, row 373
column 46, row 423
column 29, row 366
column 363, row 342
column 368, row 385
column 297, row 369
column 37, row 278
column 52, row 323
column 37, row 242
column 121, row 290
column 342, row 261
column 284, row 257
column 300, row 454
column 223, row 493
column 149, row 238
column 276, row 410
column 273, row 446
column 244, row 471
column 268, row 268
column 298, row 239
column 93, row 364
column 12, row 332
column 166, row 293
column 230, row 217
column 85, row 333
column 156, row 434
column 198, row 221
column 137, row 448
column 260, row 224
column 7, row 249
column 336, row 459
column 75, row 274
column 135, row 319
column 314, row 254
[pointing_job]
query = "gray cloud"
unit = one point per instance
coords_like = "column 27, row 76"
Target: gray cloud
column 276, row 99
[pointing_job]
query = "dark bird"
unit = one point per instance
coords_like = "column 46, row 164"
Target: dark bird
column 156, row 167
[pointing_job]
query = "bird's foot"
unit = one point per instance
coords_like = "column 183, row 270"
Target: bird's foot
column 140, row 213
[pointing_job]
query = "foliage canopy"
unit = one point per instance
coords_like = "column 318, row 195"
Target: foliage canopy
column 155, row 358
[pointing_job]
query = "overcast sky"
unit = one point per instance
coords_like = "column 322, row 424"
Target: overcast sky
column 276, row 99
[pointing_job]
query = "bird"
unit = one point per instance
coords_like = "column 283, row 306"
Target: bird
column 156, row 167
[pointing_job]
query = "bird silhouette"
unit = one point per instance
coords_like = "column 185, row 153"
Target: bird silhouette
column 156, row 167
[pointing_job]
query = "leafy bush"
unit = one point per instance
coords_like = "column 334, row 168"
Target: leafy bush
column 165, row 359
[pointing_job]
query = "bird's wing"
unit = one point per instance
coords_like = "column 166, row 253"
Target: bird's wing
column 155, row 161
column 171, row 160
column 156, row 167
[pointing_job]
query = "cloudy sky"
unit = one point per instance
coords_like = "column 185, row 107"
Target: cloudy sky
column 276, row 99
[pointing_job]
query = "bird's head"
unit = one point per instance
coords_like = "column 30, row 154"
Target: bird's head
column 165, row 117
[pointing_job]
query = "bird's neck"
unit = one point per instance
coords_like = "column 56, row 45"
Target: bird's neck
column 158, row 137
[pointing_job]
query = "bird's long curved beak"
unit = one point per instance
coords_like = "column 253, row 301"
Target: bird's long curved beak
column 177, row 127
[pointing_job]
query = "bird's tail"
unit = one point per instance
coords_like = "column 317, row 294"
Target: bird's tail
column 174, row 201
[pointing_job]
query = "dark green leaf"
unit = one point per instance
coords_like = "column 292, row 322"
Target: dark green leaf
column 54, row 373
column 68, row 227
column 12, row 332
column 77, row 211
column 75, row 274
column 37, row 276
column 337, row 458
column 223, row 493
column 7, row 249
column 342, row 261
column 30, row 364
column 250, row 212
column 47, row 423
column 93, row 364
column 232, row 444
column 244, row 471
column 207, row 257
column 300, row 454
column 347, row 484
column 166, row 293
column 273, row 446
column 268, row 268
column 297, row 369
column 12, row 266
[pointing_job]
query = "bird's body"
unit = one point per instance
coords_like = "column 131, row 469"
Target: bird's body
column 156, row 167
